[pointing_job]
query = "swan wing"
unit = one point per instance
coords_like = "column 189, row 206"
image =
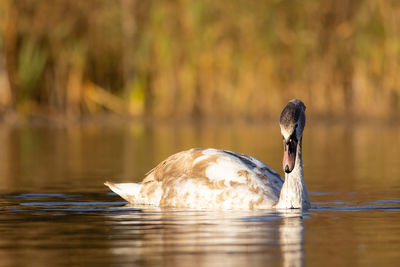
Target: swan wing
column 210, row 178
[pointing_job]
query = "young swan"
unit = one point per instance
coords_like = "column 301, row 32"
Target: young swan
column 202, row 178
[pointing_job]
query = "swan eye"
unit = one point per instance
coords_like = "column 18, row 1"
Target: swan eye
column 293, row 138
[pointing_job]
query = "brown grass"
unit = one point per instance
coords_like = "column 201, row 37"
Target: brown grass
column 200, row 58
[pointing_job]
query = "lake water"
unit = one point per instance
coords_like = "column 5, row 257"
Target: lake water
column 55, row 210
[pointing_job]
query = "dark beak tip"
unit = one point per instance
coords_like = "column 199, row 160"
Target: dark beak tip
column 287, row 169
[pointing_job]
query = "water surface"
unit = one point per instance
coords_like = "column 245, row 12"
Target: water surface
column 55, row 210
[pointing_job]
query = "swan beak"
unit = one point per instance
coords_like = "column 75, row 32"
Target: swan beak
column 289, row 156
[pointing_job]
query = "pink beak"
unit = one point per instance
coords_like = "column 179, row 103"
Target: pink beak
column 289, row 157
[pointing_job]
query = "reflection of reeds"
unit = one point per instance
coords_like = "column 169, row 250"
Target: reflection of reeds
column 183, row 58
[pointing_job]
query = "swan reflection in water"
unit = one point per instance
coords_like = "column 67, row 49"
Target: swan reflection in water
column 201, row 238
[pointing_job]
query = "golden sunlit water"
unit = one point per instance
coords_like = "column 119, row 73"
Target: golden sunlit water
column 55, row 210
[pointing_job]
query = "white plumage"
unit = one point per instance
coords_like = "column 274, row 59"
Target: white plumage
column 203, row 178
column 206, row 179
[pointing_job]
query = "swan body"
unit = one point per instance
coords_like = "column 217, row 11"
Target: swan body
column 206, row 178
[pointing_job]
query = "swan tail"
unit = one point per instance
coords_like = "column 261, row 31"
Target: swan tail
column 128, row 191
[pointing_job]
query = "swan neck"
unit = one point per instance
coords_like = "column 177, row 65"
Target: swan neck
column 294, row 194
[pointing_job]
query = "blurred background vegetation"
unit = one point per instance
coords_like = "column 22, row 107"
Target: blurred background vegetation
column 191, row 58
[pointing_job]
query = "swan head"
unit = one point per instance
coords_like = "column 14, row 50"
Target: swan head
column 292, row 123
